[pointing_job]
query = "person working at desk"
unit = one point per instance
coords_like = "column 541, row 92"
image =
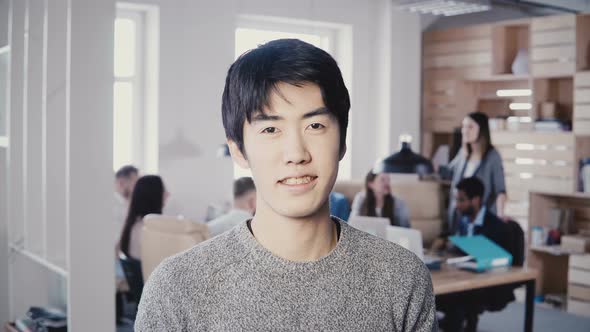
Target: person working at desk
column 377, row 201
column 292, row 267
column 475, row 219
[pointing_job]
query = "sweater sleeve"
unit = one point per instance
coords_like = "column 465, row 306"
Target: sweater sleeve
column 421, row 315
column 156, row 310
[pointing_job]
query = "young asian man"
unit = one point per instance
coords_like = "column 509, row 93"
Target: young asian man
column 292, row 267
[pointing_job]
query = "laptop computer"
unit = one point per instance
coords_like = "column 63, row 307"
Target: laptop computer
column 373, row 225
column 411, row 239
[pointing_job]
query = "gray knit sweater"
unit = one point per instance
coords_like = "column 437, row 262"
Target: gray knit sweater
column 232, row 283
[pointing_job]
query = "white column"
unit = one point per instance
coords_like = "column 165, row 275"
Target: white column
column 55, row 138
column 382, row 74
column 34, row 126
column 5, row 15
column 406, row 69
column 15, row 181
column 89, row 166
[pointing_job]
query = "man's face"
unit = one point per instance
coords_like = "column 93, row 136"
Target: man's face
column 464, row 205
column 293, row 152
column 125, row 185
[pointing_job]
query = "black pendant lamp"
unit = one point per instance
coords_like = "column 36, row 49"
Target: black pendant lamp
column 405, row 161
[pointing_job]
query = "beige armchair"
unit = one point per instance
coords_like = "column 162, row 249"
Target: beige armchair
column 423, row 198
column 164, row 236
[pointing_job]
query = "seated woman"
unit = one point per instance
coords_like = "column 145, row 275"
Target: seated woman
column 377, row 201
column 148, row 197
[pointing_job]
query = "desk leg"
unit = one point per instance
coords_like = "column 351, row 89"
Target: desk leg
column 529, row 306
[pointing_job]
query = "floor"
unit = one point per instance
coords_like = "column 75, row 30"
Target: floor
column 545, row 320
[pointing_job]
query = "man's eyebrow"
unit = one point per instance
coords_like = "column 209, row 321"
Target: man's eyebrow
column 320, row 111
column 265, row 117
column 259, row 116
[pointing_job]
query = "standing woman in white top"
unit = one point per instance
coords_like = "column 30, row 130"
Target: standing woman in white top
column 478, row 158
column 148, row 197
column 377, row 201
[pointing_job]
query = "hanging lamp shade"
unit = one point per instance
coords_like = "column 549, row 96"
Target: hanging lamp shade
column 405, row 161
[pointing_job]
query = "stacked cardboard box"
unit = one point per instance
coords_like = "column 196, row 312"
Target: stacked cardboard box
column 579, row 243
column 579, row 285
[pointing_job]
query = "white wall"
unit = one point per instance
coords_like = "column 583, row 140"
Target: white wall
column 56, row 174
column 197, row 48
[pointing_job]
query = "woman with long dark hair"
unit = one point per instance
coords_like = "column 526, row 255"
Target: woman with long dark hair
column 148, row 197
column 479, row 158
column 377, row 201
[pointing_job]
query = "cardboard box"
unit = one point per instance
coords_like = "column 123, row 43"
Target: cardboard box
column 576, row 307
column 580, row 277
column 577, row 243
column 578, row 292
column 548, row 110
column 580, row 261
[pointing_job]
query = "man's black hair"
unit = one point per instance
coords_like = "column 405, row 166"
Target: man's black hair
column 242, row 186
column 255, row 74
column 126, row 171
column 472, row 187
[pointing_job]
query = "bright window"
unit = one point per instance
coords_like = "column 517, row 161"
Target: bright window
column 134, row 111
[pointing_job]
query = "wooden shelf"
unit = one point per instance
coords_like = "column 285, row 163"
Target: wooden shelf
column 551, row 261
column 580, row 195
column 555, row 250
column 502, row 77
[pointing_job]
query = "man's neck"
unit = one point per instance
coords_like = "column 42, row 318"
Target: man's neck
column 240, row 208
column 473, row 216
column 295, row 239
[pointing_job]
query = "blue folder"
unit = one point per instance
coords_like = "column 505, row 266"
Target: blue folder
column 485, row 252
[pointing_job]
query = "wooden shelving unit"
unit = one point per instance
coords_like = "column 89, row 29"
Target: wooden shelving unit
column 552, row 262
column 558, row 77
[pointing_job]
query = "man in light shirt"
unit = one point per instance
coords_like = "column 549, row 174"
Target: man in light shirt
column 243, row 208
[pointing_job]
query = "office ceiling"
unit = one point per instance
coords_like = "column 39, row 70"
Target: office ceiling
column 506, row 10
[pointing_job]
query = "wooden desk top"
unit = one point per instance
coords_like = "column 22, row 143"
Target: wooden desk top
column 450, row 279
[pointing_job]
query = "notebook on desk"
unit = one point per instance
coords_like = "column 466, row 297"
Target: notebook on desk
column 485, row 253
column 411, row 239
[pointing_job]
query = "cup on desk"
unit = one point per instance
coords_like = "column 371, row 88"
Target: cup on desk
column 537, row 236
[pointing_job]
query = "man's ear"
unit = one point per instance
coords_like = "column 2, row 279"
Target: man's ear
column 342, row 152
column 236, row 155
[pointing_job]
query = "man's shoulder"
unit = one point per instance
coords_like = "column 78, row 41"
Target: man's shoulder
column 201, row 261
column 492, row 219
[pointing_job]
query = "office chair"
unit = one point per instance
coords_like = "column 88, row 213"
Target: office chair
column 499, row 297
column 132, row 271
column 164, row 236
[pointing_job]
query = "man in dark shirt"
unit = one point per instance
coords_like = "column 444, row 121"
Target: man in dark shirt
column 463, row 309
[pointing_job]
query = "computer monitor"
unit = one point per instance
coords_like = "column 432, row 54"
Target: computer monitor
column 408, row 238
column 373, row 225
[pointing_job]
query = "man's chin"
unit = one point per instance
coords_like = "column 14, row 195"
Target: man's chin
column 299, row 213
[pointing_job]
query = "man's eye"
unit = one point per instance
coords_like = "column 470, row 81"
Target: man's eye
column 317, row 126
column 269, row 130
